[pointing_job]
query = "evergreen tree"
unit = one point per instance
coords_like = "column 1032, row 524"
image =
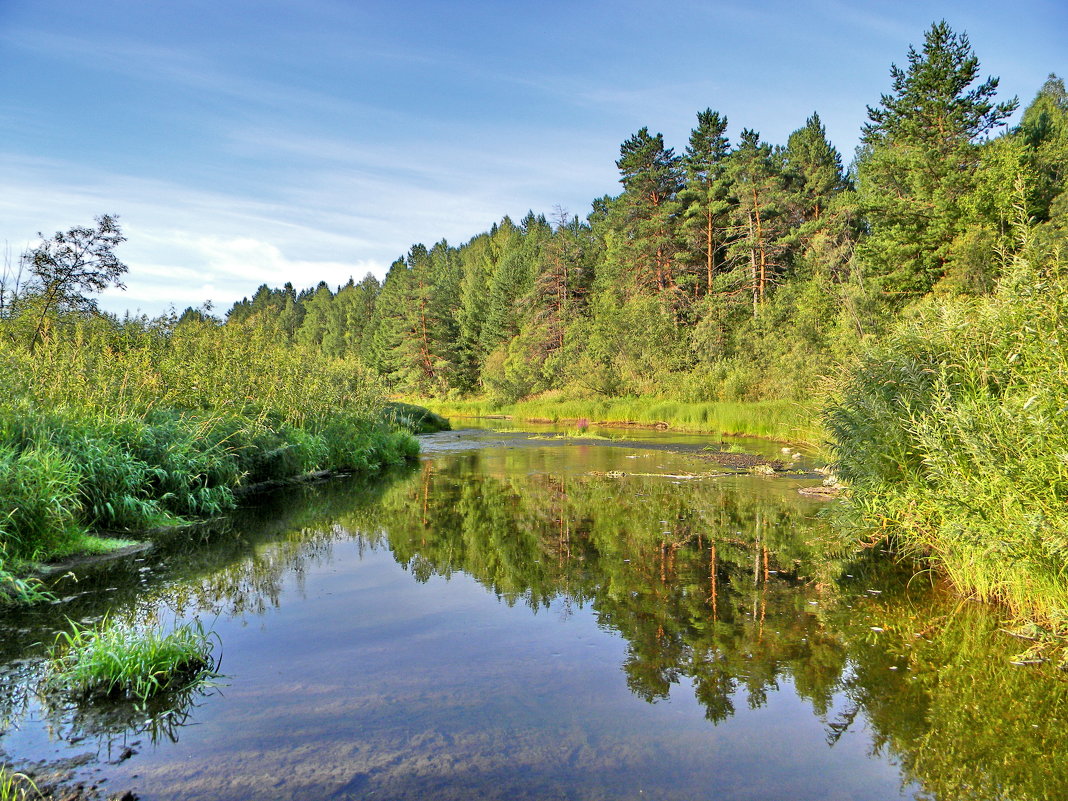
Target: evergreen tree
column 387, row 329
column 919, row 155
column 705, row 198
column 814, row 170
column 1044, row 133
column 318, row 314
column 643, row 217
column 756, row 176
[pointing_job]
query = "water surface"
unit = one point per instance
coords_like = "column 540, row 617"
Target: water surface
column 521, row 618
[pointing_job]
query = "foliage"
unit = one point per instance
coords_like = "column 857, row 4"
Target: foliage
column 921, row 154
column 62, row 270
column 16, row 786
column 779, row 420
column 953, row 438
column 742, row 270
column 126, row 425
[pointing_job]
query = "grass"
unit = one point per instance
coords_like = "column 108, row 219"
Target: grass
column 119, row 661
column 115, row 660
column 785, row 421
column 16, row 786
column 112, row 426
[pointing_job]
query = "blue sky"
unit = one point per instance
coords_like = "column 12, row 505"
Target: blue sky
column 244, row 142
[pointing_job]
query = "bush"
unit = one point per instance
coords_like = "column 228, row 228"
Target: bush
column 954, row 438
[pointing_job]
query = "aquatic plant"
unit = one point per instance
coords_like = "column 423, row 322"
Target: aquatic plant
column 118, row 660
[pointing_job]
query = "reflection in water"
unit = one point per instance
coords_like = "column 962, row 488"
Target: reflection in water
column 728, row 586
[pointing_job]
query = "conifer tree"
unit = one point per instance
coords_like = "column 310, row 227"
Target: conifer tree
column 643, row 217
column 1044, row 132
column 756, row 176
column 705, row 199
column 813, row 170
column 920, row 151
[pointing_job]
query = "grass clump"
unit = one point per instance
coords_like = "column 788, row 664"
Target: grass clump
column 120, row 661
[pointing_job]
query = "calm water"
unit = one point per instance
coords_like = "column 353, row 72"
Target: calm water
column 505, row 621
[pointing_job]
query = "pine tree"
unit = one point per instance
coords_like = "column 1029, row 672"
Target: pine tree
column 705, row 199
column 643, row 217
column 919, row 155
column 756, row 176
column 1044, row 132
column 813, row 170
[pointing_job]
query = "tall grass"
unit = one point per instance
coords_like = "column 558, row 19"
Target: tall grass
column 954, row 437
column 125, row 426
column 16, row 786
column 780, row 420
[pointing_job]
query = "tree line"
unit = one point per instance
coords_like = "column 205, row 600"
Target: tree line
column 734, row 270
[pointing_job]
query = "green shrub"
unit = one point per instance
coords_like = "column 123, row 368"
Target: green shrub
column 954, row 438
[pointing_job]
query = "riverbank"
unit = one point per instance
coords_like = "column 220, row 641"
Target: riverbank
column 783, row 421
column 954, row 439
column 116, row 428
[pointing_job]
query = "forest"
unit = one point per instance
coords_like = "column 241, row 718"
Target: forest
column 733, row 271
column 910, row 302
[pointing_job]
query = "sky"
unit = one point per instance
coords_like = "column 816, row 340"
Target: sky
column 243, row 142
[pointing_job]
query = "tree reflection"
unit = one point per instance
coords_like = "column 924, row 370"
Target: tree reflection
column 731, row 584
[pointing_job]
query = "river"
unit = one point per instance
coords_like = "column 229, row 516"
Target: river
column 527, row 616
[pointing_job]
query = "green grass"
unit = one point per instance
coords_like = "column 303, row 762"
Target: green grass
column 125, row 426
column 117, row 660
column 16, row 786
column 18, row 590
column 413, row 418
column 785, row 421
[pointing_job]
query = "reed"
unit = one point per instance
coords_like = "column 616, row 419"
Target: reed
column 954, row 439
column 110, row 426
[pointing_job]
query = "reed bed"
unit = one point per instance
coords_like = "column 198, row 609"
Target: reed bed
column 109, row 426
column 786, row 421
column 954, row 438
